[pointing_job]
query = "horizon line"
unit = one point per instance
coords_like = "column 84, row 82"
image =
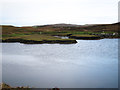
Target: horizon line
column 54, row 24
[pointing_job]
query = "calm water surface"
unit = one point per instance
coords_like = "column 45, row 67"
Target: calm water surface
column 87, row 64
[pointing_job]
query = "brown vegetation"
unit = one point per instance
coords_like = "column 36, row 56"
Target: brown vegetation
column 46, row 33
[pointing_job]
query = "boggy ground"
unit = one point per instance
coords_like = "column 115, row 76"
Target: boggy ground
column 47, row 33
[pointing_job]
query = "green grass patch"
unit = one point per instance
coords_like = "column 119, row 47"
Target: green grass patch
column 36, row 37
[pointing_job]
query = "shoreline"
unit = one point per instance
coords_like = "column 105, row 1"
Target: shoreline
column 4, row 86
column 40, row 42
column 52, row 41
column 65, row 33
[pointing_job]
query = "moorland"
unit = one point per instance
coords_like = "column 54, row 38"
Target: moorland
column 58, row 33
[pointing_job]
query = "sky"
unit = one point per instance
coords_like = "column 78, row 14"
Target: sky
column 41, row 12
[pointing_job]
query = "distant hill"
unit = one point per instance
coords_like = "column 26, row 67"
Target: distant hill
column 87, row 27
column 63, row 27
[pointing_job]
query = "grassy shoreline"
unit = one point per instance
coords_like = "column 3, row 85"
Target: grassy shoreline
column 38, row 39
column 47, row 33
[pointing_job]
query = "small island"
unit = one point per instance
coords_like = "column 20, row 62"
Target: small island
column 58, row 33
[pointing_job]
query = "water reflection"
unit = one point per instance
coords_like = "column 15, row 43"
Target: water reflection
column 87, row 64
column 62, row 37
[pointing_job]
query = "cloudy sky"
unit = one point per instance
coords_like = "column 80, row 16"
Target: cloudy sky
column 39, row 12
